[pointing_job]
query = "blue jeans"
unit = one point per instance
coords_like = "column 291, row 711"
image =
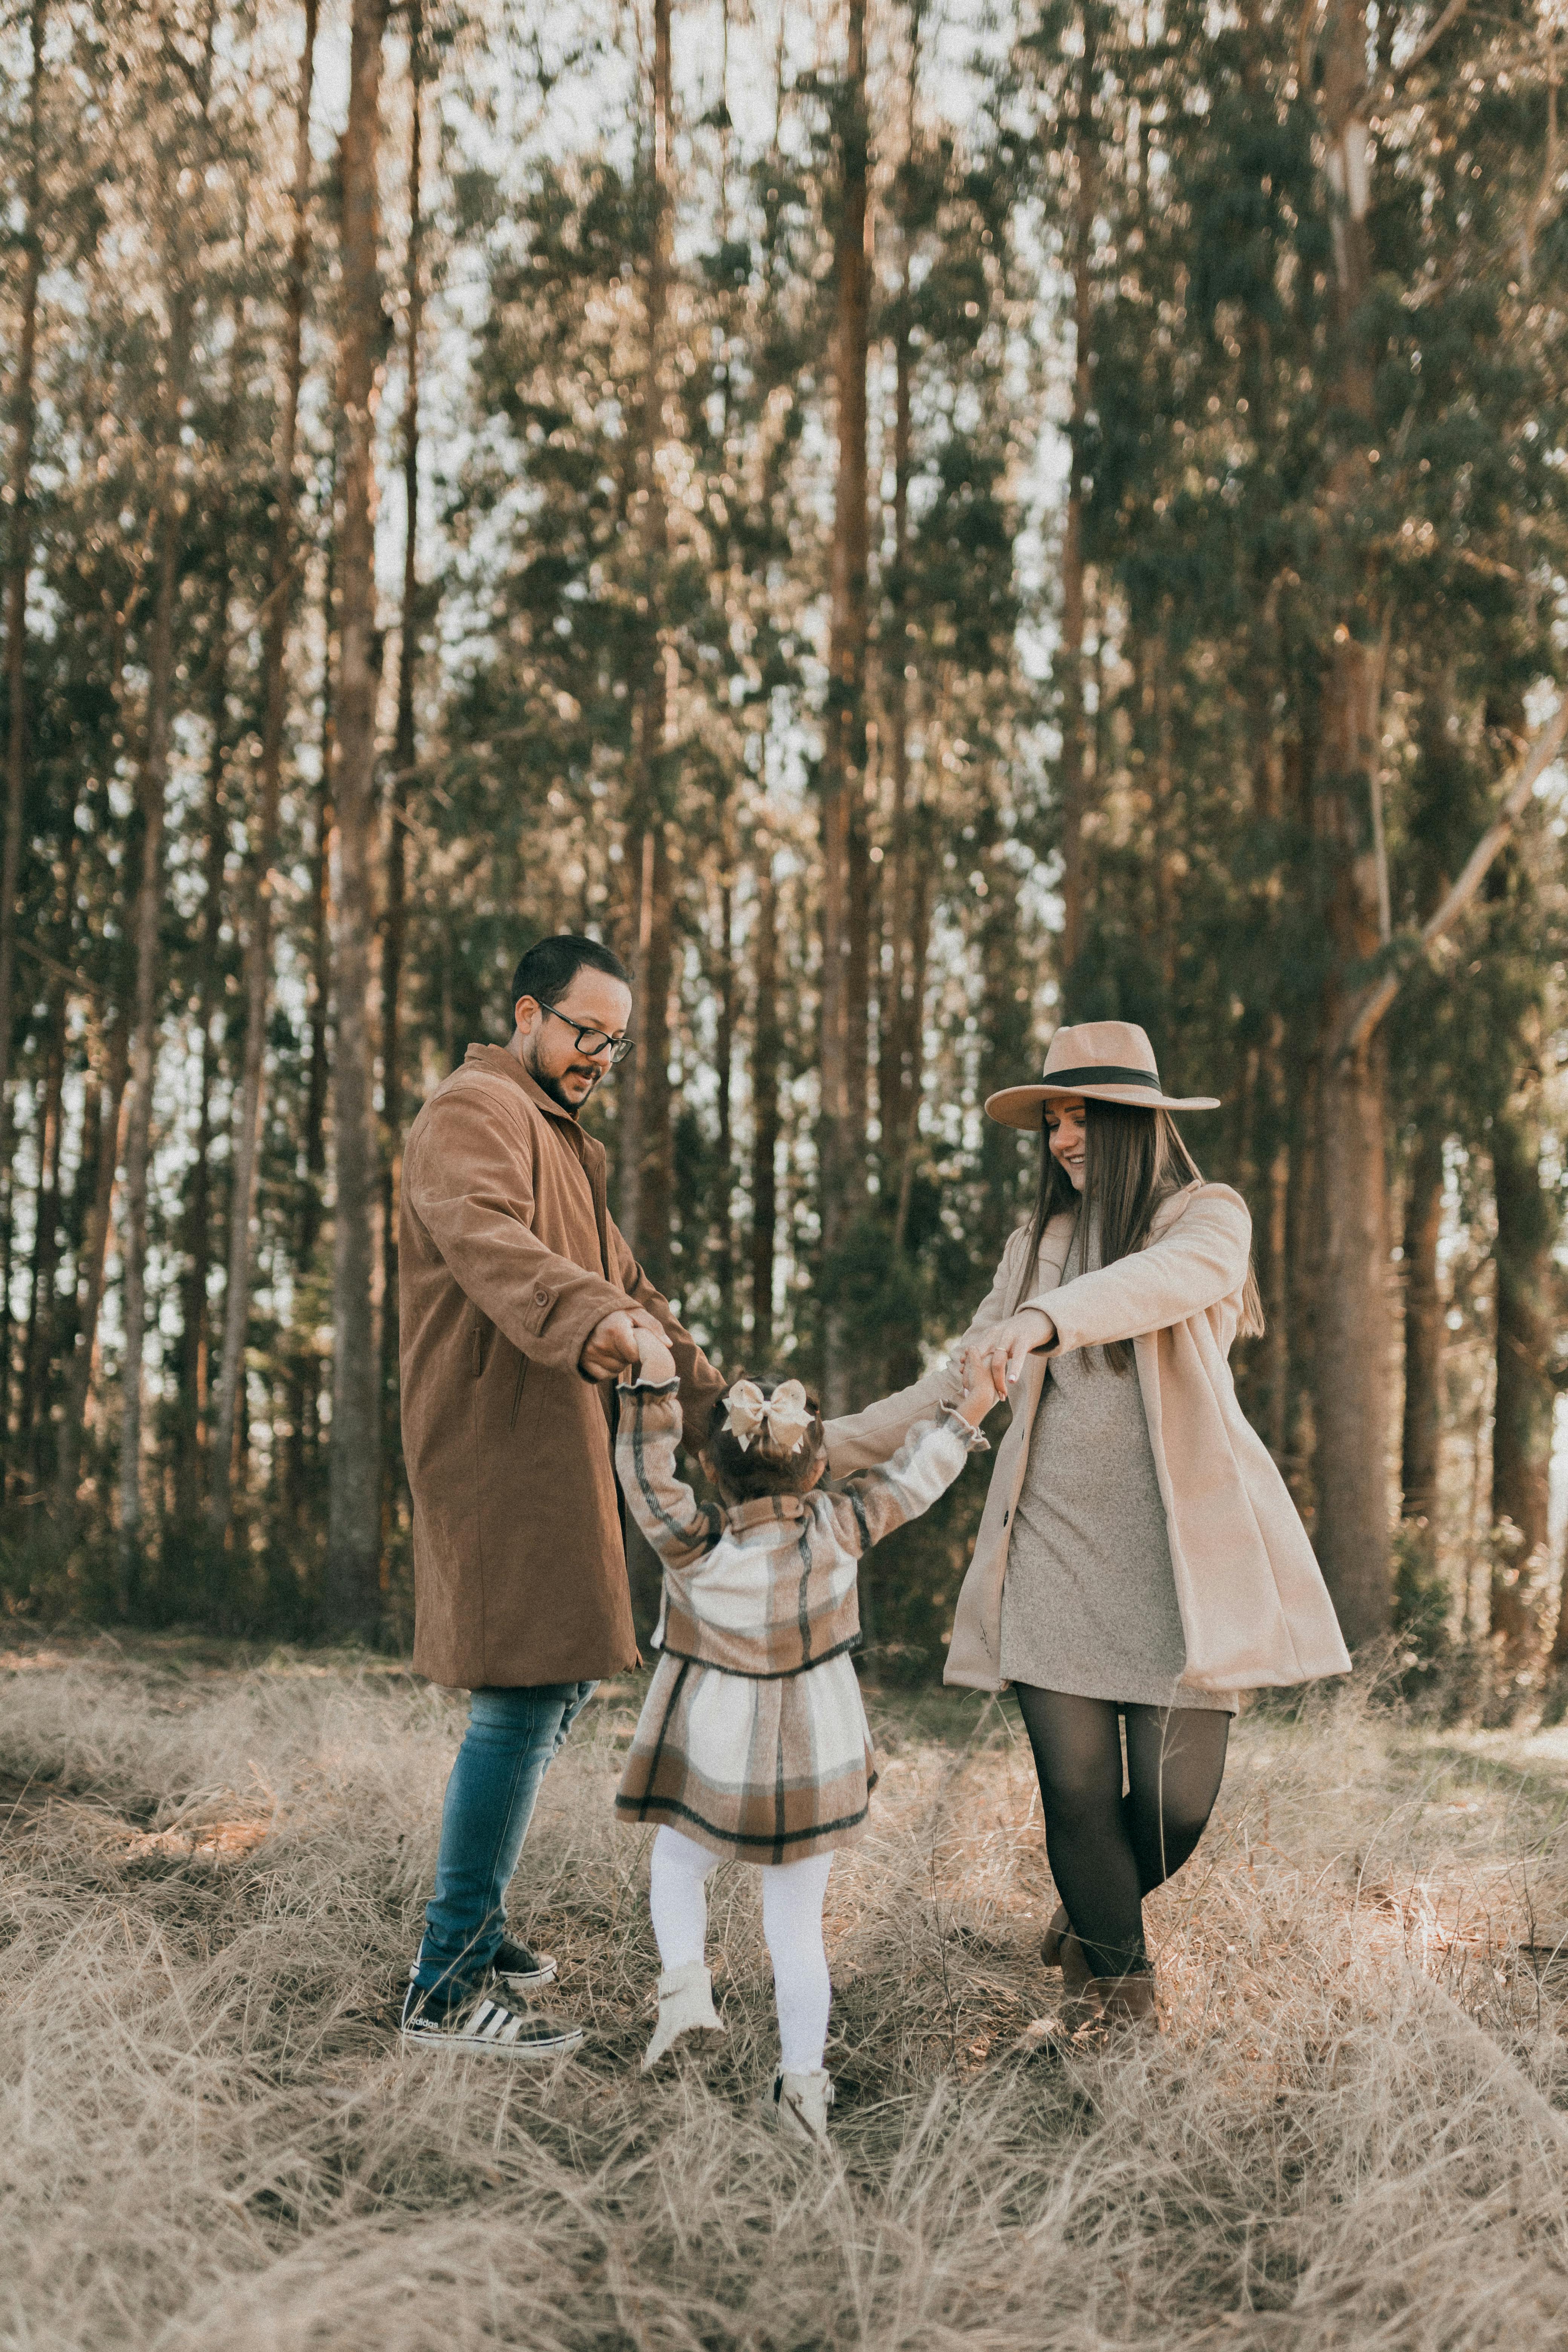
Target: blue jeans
column 512, row 1737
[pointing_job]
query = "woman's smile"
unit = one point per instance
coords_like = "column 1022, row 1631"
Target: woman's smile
column 1065, row 1134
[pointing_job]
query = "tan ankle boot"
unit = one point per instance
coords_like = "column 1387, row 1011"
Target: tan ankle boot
column 684, row 2006
column 1125, row 2004
column 1075, row 1970
column 799, row 2104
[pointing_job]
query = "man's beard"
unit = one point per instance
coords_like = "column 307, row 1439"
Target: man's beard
column 552, row 1087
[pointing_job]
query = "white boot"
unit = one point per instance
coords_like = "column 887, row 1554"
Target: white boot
column 799, row 2104
column 685, row 2004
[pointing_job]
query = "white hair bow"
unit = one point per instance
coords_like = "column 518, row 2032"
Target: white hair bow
column 783, row 1418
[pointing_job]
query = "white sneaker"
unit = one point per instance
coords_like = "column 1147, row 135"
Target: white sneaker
column 684, row 2006
column 799, row 2103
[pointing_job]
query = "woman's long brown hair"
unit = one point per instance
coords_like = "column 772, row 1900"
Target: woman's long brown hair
column 1133, row 1160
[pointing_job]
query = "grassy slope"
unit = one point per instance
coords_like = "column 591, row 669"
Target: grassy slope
column 1349, row 2135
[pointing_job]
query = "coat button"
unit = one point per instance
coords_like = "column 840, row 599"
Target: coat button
column 542, row 1298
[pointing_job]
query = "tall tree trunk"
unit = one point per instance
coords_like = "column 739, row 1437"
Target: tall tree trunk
column 1070, row 656
column 305, row 1410
column 842, row 1150
column 264, row 853
column 1424, row 1334
column 83, row 1363
column 152, row 798
column 193, row 1364
column 1353, row 1334
column 767, row 1057
column 1274, row 1347
column 46, row 1238
column 722, row 1216
column 895, row 1103
column 353, row 1506
column 1526, row 1393
column 394, row 929
column 920, row 921
column 18, row 555
column 647, row 1193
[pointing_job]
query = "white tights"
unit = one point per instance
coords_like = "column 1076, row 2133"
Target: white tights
column 793, row 1896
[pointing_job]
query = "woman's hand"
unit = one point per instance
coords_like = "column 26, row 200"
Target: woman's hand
column 1005, row 1346
column 980, row 1393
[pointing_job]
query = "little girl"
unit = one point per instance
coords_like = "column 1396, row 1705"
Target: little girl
column 752, row 1741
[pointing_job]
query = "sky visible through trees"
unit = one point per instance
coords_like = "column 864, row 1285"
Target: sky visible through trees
column 914, row 522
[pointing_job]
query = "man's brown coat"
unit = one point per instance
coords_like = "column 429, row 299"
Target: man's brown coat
column 508, row 1259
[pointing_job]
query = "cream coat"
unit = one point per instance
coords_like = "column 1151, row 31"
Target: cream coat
column 1254, row 1609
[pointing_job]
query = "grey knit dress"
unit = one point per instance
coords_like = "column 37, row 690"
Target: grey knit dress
column 1088, row 1603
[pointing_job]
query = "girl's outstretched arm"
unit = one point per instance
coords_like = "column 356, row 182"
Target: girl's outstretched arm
column 680, row 1527
column 857, row 1440
column 874, row 1501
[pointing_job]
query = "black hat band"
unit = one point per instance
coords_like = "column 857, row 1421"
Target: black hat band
column 1103, row 1074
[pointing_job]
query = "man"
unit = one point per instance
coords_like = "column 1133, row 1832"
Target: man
column 520, row 1301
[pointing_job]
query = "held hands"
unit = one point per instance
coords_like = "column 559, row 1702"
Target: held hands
column 1006, row 1347
column 657, row 1364
column 980, row 1393
column 613, row 1347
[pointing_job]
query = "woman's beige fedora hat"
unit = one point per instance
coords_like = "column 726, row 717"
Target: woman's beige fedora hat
column 1108, row 1061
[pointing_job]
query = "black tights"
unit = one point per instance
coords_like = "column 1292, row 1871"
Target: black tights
column 1107, row 1850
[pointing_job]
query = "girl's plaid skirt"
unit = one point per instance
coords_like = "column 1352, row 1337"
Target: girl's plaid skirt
column 762, row 1770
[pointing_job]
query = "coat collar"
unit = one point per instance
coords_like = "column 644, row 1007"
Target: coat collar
column 497, row 1062
column 762, row 1511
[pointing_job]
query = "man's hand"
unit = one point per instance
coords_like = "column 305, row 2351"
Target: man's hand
column 611, row 1347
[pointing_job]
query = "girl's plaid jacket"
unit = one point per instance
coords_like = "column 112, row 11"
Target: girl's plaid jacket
column 753, row 1738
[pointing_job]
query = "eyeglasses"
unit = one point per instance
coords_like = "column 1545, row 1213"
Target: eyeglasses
column 593, row 1042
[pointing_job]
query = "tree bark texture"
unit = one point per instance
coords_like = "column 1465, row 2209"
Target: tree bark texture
column 1526, row 1393
column 93, row 1257
column 264, row 853
column 304, row 1409
column 1069, row 660
column 39, row 1345
column 721, row 1214
column 767, row 1057
column 394, row 929
column 152, row 800
column 895, row 1042
column 1424, row 1338
column 192, row 1374
column 19, row 554
column 1354, row 1336
column 353, row 1506
column 647, row 1174
column 842, row 1150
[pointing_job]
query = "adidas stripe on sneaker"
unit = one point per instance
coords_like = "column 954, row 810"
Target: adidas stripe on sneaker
column 479, row 2022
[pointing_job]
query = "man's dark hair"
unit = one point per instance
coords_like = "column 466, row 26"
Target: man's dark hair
column 743, row 1472
column 549, row 966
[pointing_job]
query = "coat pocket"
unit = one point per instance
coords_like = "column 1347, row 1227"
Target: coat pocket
column 517, row 1390
column 481, row 1345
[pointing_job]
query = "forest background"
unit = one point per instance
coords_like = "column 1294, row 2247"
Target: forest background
column 915, row 522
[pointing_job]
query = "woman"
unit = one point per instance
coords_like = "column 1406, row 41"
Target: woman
column 1140, row 1560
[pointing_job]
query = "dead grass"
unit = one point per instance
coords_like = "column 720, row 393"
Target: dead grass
column 1348, row 2135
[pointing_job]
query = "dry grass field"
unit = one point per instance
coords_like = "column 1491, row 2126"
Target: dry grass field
column 1351, row 2134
